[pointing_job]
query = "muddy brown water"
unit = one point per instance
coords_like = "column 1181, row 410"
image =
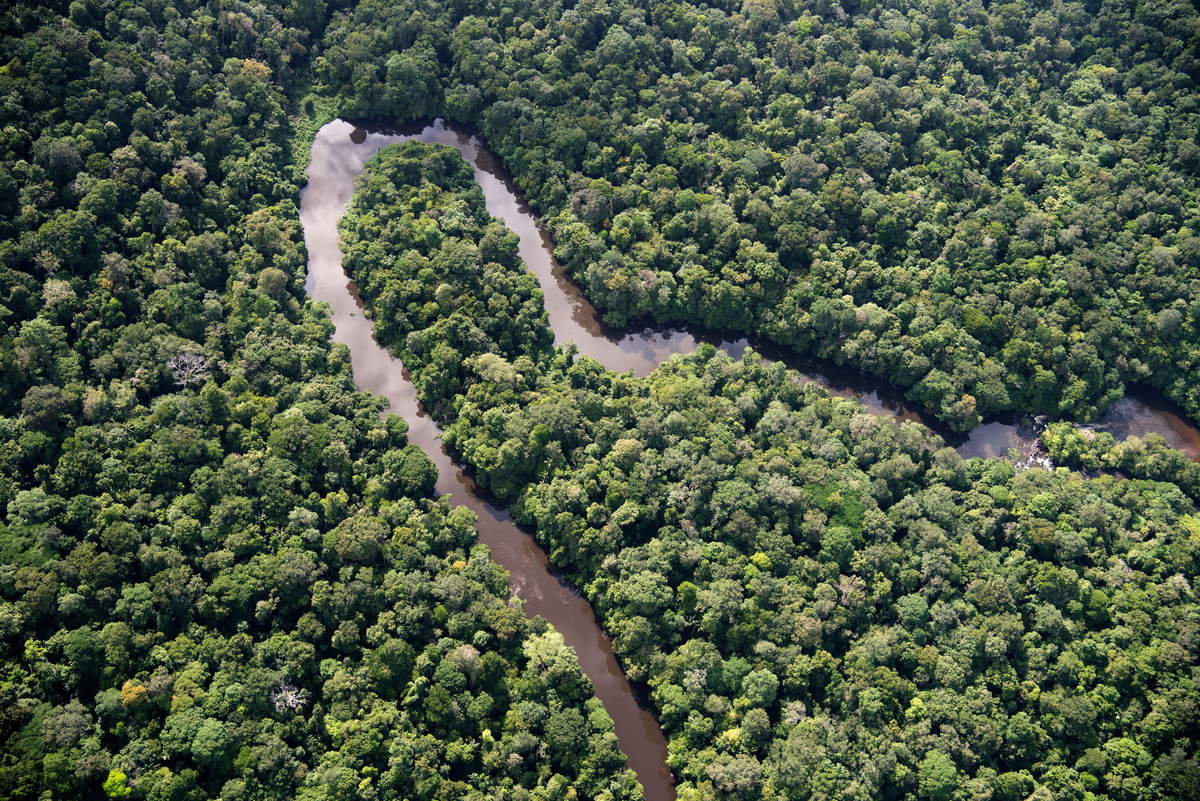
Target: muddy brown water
column 340, row 152
column 336, row 160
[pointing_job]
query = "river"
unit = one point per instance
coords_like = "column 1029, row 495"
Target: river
column 340, row 152
column 336, row 160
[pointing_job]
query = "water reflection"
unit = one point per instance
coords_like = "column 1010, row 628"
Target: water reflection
column 1142, row 411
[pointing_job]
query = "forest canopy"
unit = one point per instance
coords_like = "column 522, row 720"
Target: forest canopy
column 824, row 603
column 993, row 206
column 224, row 575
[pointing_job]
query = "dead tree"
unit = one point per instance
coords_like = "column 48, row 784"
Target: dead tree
column 188, row 368
column 288, row 698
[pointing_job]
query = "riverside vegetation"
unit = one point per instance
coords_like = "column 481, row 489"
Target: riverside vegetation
column 993, row 206
column 223, row 576
column 823, row 603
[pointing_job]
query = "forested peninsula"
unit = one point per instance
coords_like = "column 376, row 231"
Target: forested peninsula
column 225, row 575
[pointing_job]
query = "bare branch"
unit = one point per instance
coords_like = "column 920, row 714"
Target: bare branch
column 188, row 368
column 288, row 697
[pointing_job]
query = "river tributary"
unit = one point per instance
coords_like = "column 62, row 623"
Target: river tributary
column 340, row 152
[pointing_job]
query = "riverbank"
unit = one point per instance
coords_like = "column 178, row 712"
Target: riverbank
column 503, row 202
column 336, row 161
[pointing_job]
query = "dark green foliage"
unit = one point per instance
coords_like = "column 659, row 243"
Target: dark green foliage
column 295, row 548
column 443, row 277
column 222, row 575
column 1151, row 458
column 994, row 206
column 847, row 592
column 824, row 602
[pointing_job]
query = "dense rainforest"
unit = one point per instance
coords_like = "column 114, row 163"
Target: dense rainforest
column 992, row 205
column 224, row 575
column 825, row 604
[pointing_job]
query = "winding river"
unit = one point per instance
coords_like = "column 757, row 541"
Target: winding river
column 339, row 153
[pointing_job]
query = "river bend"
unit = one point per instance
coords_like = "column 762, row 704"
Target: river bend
column 336, row 160
column 339, row 154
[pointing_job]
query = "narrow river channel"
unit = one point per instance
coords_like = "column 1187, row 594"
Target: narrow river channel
column 339, row 153
column 336, row 160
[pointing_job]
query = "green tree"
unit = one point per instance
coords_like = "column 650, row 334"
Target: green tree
column 938, row 776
